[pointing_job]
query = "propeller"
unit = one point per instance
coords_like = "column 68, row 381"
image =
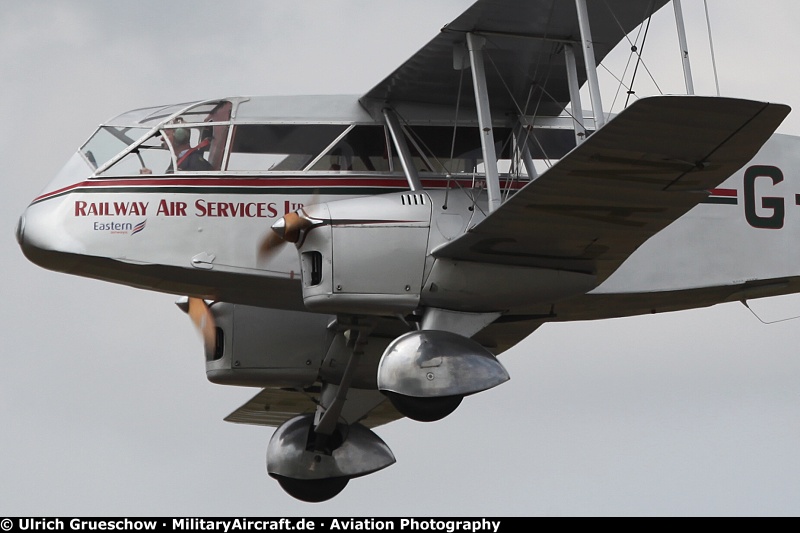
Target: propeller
column 203, row 319
column 290, row 228
column 270, row 246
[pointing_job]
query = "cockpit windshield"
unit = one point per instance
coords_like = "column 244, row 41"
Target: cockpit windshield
column 194, row 140
column 108, row 142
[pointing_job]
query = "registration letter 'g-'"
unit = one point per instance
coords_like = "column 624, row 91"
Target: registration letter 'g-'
column 776, row 204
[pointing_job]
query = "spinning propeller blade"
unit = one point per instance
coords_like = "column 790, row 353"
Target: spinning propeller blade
column 203, row 321
column 270, row 246
column 288, row 228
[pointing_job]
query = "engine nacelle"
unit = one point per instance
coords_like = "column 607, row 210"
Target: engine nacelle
column 267, row 347
column 366, row 255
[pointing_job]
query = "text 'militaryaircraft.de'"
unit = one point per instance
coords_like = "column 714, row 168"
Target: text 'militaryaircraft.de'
column 360, row 259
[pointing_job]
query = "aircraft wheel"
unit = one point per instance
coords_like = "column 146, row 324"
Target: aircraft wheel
column 312, row 490
column 424, row 409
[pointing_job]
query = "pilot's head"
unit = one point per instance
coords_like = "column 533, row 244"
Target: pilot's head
column 181, row 136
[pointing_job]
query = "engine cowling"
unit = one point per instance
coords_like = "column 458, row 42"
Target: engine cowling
column 366, row 255
column 267, row 347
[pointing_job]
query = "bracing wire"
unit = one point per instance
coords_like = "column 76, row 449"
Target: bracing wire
column 620, row 80
column 453, row 143
column 543, row 92
column 638, row 51
column 639, row 61
column 744, row 303
column 455, row 123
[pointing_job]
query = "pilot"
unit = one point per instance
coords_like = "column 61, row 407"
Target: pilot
column 189, row 158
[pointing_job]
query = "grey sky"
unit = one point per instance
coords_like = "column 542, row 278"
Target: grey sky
column 104, row 405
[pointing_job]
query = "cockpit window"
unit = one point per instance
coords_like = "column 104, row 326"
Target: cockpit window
column 108, row 142
column 150, row 154
column 176, row 146
column 191, row 142
column 284, row 147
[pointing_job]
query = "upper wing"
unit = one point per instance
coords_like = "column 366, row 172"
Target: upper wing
column 525, row 65
column 630, row 179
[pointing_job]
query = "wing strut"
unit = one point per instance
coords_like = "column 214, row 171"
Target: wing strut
column 475, row 46
column 574, row 93
column 522, row 142
column 402, row 149
column 591, row 64
column 687, row 68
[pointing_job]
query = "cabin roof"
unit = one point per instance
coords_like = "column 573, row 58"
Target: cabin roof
column 310, row 109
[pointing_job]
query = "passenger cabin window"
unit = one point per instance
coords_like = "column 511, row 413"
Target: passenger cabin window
column 279, row 147
column 362, row 149
column 448, row 150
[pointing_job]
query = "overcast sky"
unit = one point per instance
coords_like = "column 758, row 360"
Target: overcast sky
column 104, row 405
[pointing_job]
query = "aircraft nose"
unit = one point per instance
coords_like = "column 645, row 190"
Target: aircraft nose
column 20, row 229
column 42, row 240
column 27, row 235
column 30, row 236
column 44, row 231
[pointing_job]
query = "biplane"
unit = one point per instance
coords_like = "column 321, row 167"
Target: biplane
column 359, row 259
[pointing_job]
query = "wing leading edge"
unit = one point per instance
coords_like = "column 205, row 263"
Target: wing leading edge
column 644, row 169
